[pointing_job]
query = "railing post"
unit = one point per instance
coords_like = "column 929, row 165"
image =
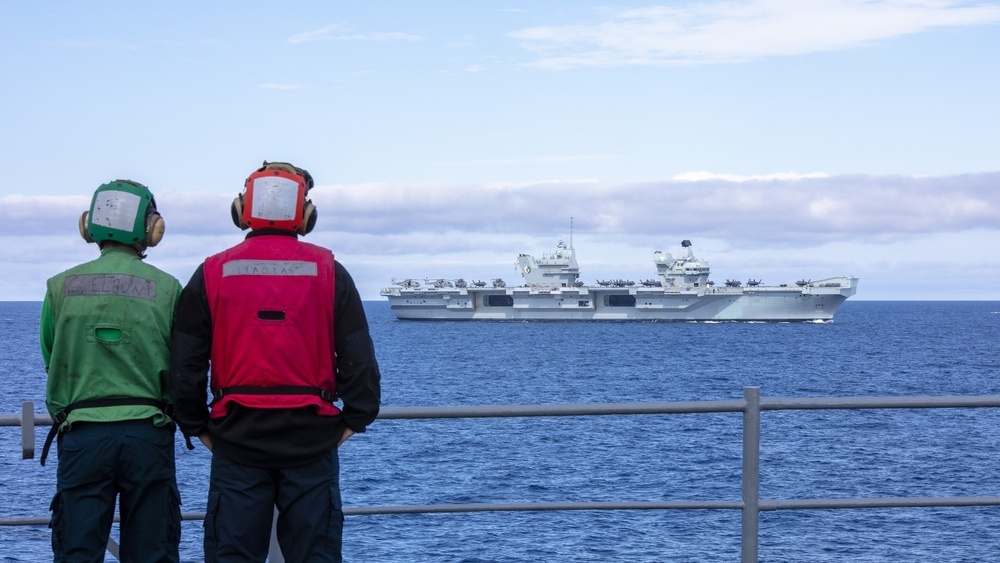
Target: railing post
column 274, row 554
column 27, row 430
column 751, row 475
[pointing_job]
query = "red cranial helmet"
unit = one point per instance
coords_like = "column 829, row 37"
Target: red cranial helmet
column 274, row 197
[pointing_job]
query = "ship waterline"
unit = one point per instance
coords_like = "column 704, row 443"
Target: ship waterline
column 682, row 291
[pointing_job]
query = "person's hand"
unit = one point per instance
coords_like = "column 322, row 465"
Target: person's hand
column 347, row 434
column 206, row 440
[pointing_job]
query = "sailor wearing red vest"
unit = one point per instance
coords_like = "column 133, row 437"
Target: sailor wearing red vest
column 283, row 326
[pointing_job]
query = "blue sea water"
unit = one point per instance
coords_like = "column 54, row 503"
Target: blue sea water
column 872, row 348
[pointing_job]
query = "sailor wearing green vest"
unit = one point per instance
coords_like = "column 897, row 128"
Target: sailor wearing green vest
column 105, row 335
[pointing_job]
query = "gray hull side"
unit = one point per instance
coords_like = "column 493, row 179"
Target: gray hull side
column 599, row 304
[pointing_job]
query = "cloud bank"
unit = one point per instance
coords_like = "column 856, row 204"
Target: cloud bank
column 776, row 210
column 781, row 209
column 872, row 225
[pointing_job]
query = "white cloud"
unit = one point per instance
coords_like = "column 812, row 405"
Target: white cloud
column 701, row 175
column 96, row 44
column 335, row 32
column 379, row 37
column 324, row 33
column 534, row 159
column 461, row 42
column 280, row 86
column 725, row 32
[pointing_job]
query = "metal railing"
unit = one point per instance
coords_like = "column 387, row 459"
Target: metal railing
column 751, row 505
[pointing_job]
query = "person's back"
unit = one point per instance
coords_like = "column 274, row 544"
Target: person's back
column 105, row 331
column 276, row 331
column 284, row 329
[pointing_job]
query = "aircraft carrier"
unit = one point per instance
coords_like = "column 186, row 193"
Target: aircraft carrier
column 681, row 291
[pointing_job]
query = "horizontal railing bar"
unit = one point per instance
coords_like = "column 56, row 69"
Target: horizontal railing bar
column 918, row 402
column 512, row 411
column 765, row 505
column 680, row 407
column 44, row 520
column 25, row 521
column 887, row 502
column 471, row 507
column 580, row 409
column 543, row 506
column 15, row 420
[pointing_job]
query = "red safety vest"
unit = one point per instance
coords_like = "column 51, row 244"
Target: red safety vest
column 271, row 303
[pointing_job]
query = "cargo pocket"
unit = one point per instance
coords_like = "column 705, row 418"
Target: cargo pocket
column 174, row 536
column 335, row 532
column 211, row 539
column 56, row 525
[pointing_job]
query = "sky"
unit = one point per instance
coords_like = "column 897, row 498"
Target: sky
column 786, row 139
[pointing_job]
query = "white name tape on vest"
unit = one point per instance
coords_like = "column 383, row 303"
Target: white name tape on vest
column 110, row 284
column 269, row 268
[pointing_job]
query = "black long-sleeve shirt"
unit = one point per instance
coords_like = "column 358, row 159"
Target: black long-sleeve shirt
column 274, row 437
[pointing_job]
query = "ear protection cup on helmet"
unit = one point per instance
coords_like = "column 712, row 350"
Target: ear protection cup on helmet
column 237, row 211
column 154, row 228
column 309, row 215
column 82, row 224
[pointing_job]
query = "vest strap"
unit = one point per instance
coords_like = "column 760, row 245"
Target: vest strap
column 324, row 394
column 61, row 416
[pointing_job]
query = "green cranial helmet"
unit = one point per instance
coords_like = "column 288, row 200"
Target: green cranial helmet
column 122, row 211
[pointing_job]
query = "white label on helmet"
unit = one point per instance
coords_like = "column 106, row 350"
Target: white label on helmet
column 115, row 209
column 275, row 198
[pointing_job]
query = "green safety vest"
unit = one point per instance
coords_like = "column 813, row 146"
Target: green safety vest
column 105, row 334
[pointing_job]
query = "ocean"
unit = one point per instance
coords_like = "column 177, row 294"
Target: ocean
column 871, row 349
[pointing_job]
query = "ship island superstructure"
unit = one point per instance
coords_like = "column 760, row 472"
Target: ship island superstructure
column 553, row 291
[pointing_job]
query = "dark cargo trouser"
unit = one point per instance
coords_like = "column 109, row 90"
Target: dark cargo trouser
column 101, row 460
column 241, row 503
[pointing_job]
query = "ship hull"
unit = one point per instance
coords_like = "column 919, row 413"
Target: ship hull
column 817, row 302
